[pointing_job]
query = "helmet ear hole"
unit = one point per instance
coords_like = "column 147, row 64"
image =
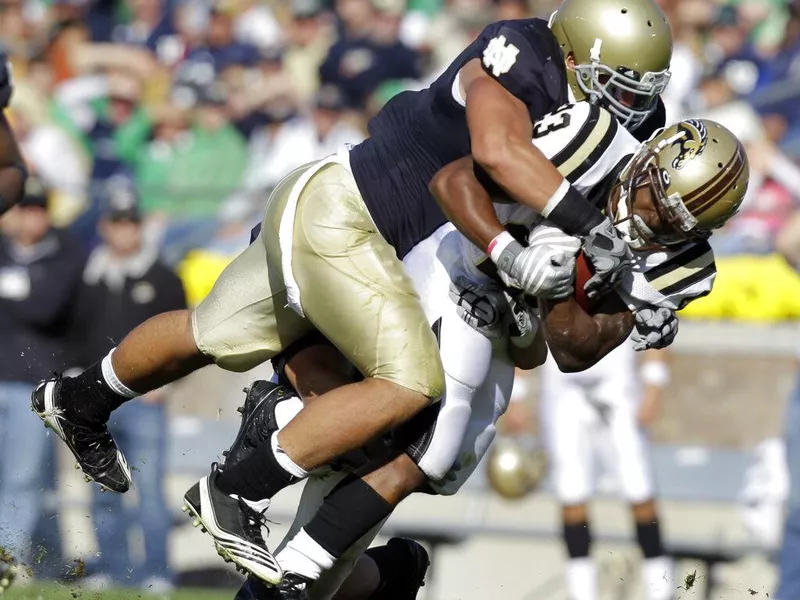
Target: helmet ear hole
column 720, row 165
column 649, row 23
column 624, row 11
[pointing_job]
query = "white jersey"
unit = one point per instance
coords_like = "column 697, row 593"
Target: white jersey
column 669, row 279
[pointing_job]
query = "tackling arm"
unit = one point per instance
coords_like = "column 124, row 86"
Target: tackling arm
column 500, row 132
column 578, row 340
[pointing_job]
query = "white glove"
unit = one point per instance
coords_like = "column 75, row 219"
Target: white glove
column 655, row 328
column 546, row 268
column 480, row 308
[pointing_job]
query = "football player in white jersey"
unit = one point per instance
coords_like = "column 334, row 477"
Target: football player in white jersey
column 648, row 193
column 603, row 411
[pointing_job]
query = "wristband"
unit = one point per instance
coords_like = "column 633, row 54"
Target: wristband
column 503, row 251
column 568, row 210
column 656, row 374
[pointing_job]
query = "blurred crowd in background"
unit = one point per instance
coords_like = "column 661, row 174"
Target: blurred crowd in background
column 155, row 129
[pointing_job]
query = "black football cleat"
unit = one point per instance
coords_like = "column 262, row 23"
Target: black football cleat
column 407, row 586
column 258, row 419
column 235, row 525
column 293, row 587
column 94, row 449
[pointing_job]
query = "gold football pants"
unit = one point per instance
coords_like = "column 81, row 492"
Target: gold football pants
column 353, row 289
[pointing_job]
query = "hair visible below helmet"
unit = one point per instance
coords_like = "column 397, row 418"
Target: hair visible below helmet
column 622, row 50
column 698, row 173
column 513, row 470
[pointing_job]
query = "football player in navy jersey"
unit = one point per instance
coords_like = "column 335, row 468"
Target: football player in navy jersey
column 13, row 172
column 329, row 257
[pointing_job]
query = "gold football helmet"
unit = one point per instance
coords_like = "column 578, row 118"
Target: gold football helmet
column 513, row 470
column 697, row 172
column 622, row 50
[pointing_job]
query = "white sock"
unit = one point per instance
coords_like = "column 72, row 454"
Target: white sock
column 283, row 459
column 287, row 410
column 113, row 381
column 658, row 578
column 581, row 579
column 304, row 556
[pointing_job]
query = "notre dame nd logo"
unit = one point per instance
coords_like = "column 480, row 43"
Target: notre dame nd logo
column 692, row 141
column 499, row 56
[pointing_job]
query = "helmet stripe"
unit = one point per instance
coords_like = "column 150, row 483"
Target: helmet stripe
column 695, row 197
column 700, row 201
column 723, row 187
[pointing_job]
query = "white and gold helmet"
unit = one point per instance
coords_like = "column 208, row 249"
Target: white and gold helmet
column 697, row 172
column 622, row 51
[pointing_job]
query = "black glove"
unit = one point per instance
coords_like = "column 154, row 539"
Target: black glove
column 610, row 256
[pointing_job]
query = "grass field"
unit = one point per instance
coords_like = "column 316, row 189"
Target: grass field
column 74, row 592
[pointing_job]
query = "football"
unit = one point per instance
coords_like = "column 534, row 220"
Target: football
column 608, row 304
column 583, row 272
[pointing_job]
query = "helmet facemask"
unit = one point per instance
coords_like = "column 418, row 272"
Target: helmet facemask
column 630, row 98
column 678, row 225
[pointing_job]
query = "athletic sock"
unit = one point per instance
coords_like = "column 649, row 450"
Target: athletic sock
column 581, row 578
column 581, row 572
column 91, row 397
column 304, row 556
column 346, row 514
column 262, row 474
column 657, row 570
column 658, row 578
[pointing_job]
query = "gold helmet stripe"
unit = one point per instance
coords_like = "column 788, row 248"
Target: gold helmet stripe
column 703, row 198
column 725, row 186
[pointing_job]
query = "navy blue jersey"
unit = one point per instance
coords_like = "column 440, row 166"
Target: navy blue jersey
column 418, row 133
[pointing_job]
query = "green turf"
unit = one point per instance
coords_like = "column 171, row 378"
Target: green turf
column 75, row 592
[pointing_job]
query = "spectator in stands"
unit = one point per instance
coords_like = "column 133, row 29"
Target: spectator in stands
column 370, row 53
column 40, row 270
column 788, row 244
column 123, row 285
column 310, row 36
column 184, row 179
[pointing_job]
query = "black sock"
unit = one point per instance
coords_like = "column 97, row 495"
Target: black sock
column 256, row 477
column 346, row 514
column 649, row 538
column 89, row 399
column 578, row 539
column 393, row 561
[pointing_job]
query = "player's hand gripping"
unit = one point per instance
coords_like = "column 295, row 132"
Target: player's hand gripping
column 655, row 328
column 482, row 309
column 610, row 256
column 546, row 268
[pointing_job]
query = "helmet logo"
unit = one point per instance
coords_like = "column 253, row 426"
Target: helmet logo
column 499, row 56
column 691, row 140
